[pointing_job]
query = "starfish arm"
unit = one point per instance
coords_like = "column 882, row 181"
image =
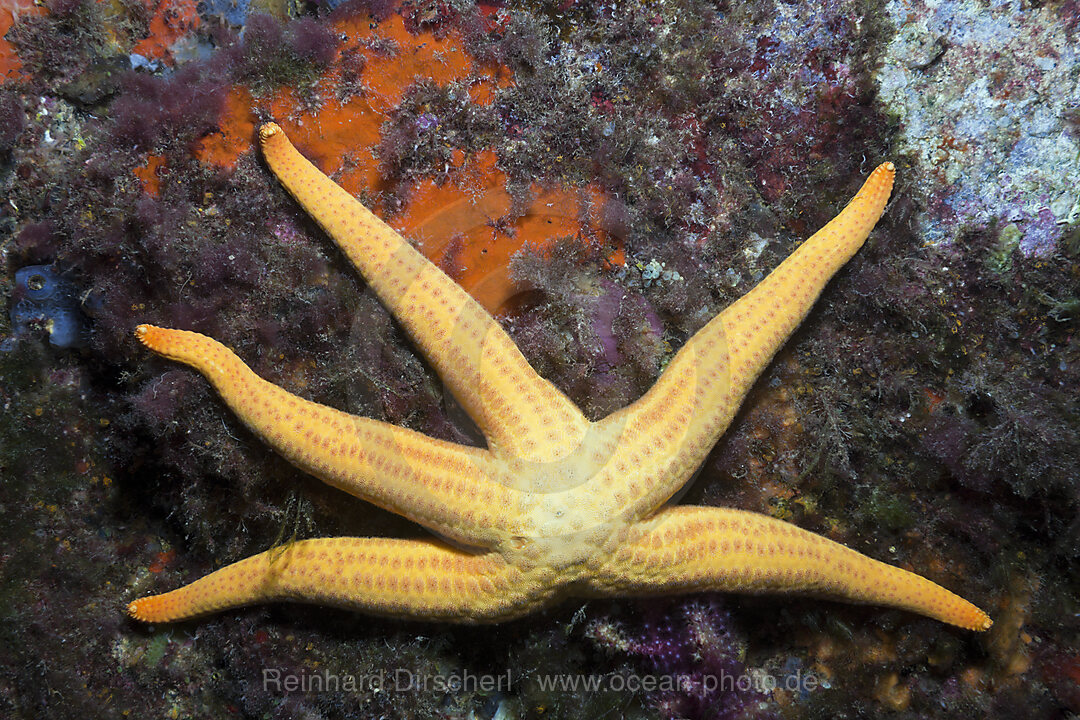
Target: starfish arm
column 669, row 430
column 757, row 324
column 422, row 579
column 441, row 485
column 687, row 549
column 518, row 411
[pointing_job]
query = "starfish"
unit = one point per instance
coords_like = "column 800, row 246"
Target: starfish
column 555, row 505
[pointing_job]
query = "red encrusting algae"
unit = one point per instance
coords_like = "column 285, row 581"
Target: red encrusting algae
column 468, row 225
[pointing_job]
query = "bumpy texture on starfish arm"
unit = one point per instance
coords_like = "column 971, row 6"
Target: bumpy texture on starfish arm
column 555, row 505
column 376, row 575
column 434, row 482
column 519, row 412
column 681, row 417
column 687, row 549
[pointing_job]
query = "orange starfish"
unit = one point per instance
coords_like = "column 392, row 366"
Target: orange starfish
column 555, row 505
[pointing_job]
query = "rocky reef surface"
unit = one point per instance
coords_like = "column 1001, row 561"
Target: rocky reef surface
column 605, row 177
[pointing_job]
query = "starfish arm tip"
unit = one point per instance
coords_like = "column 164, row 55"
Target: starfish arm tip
column 170, row 343
column 928, row 598
column 182, row 604
column 881, row 180
column 141, row 610
column 268, row 130
column 981, row 622
column 144, row 333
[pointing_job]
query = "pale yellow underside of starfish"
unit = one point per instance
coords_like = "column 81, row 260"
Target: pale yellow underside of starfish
column 555, row 505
